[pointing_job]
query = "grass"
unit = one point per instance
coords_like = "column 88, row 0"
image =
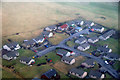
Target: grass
column 70, row 43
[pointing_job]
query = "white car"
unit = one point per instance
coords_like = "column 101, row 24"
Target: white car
column 106, row 62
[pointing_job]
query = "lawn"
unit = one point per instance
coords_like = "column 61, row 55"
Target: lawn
column 6, row 74
column 71, row 43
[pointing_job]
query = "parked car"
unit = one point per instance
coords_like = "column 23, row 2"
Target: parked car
column 106, row 62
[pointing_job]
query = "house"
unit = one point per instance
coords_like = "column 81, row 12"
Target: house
column 103, row 49
column 11, row 46
column 98, row 28
column 96, row 74
column 112, row 56
column 39, row 39
column 68, row 60
column 10, row 55
column 78, row 29
column 81, row 40
column 83, row 47
column 78, row 72
column 71, row 23
column 27, row 61
column 89, row 23
column 47, row 34
column 51, row 28
column 62, row 52
column 93, row 39
column 63, row 27
column 50, row 75
column 28, row 44
column 88, row 63
column 79, row 22
column 107, row 35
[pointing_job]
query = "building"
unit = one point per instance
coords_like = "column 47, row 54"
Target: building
column 68, row 60
column 88, row 63
column 78, row 29
column 39, row 39
column 93, row 39
column 50, row 75
column 71, row 23
column 96, row 74
column 28, row 44
column 98, row 28
column 11, row 46
column 79, row 22
column 47, row 34
column 63, row 27
column 78, row 72
column 10, row 55
column 51, row 28
column 62, row 52
column 89, row 23
column 112, row 56
column 81, row 40
column 103, row 49
column 27, row 61
column 83, row 47
column 107, row 35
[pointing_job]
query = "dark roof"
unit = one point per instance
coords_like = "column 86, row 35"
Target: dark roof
column 62, row 51
column 25, row 59
column 81, row 39
column 112, row 55
column 52, row 26
column 103, row 49
column 29, row 42
column 45, row 33
column 77, row 71
column 95, row 73
column 109, row 33
column 39, row 37
column 13, row 44
column 85, row 45
column 90, row 62
column 97, row 27
column 11, row 54
column 50, row 73
column 94, row 38
column 66, row 58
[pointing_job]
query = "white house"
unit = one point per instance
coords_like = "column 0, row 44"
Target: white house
column 83, row 47
column 98, row 28
column 68, row 60
column 93, row 39
column 39, row 39
column 51, row 28
column 81, row 40
column 11, row 46
column 47, row 34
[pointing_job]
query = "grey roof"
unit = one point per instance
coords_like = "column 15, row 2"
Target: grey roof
column 45, row 33
column 95, row 73
column 85, row 45
column 66, row 58
column 81, row 39
column 112, row 55
column 94, row 38
column 11, row 54
column 25, row 59
column 52, row 26
column 39, row 38
column 62, row 51
column 90, row 62
column 77, row 71
column 88, row 22
column 50, row 73
column 29, row 42
column 97, row 27
column 103, row 49
column 78, row 21
column 12, row 44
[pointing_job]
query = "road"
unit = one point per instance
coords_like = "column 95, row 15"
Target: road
column 80, row 53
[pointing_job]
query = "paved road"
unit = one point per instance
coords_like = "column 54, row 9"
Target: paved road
column 78, row 53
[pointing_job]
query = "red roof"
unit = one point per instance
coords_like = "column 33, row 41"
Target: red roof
column 64, row 26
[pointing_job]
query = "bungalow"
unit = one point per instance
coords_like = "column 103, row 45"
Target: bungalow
column 50, row 75
column 103, row 49
column 47, row 34
column 96, row 74
column 51, row 28
column 79, row 22
column 28, row 44
column 39, row 39
column 93, row 39
column 27, row 61
column 88, row 63
column 62, row 53
column 68, row 60
column 107, row 35
column 10, row 55
column 78, row 29
column 11, row 46
column 89, row 23
column 83, row 47
column 98, row 28
column 81, row 40
column 70, row 23
column 78, row 72
column 63, row 27
column 112, row 56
